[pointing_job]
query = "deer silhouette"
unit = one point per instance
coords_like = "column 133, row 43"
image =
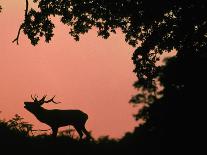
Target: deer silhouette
column 57, row 118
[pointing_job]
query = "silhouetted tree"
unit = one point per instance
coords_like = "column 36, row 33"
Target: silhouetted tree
column 160, row 26
column 175, row 122
column 14, row 133
column 168, row 25
column 16, row 125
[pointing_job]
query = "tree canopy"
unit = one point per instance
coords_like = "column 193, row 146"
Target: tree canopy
column 159, row 26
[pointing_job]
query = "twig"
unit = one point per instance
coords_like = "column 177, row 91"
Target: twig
column 38, row 131
column 20, row 28
column 17, row 38
column 42, row 130
column 27, row 6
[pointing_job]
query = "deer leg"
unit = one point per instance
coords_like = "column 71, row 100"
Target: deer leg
column 54, row 132
column 86, row 133
column 78, row 129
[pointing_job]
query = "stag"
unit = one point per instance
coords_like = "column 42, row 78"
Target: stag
column 57, row 118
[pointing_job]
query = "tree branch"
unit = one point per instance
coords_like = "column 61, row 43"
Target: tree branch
column 20, row 28
column 17, row 38
column 27, row 6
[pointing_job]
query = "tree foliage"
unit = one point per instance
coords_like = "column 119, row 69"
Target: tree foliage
column 160, row 26
column 16, row 126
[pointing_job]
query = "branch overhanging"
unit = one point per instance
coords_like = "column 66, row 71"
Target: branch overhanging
column 21, row 26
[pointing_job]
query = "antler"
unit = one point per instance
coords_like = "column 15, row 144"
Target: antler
column 51, row 100
column 34, row 98
column 42, row 100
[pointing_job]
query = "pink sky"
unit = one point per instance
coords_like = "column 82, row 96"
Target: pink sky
column 94, row 75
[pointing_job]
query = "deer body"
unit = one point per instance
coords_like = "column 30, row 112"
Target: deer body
column 58, row 118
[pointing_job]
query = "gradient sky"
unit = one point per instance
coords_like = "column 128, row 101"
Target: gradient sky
column 94, row 75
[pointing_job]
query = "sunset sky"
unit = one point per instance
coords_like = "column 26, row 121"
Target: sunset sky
column 94, row 75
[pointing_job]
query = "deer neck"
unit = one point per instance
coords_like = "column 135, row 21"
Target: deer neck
column 40, row 113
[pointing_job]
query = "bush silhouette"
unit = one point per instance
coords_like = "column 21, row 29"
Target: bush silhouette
column 16, row 138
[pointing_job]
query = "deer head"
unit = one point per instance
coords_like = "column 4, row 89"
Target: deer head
column 36, row 104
